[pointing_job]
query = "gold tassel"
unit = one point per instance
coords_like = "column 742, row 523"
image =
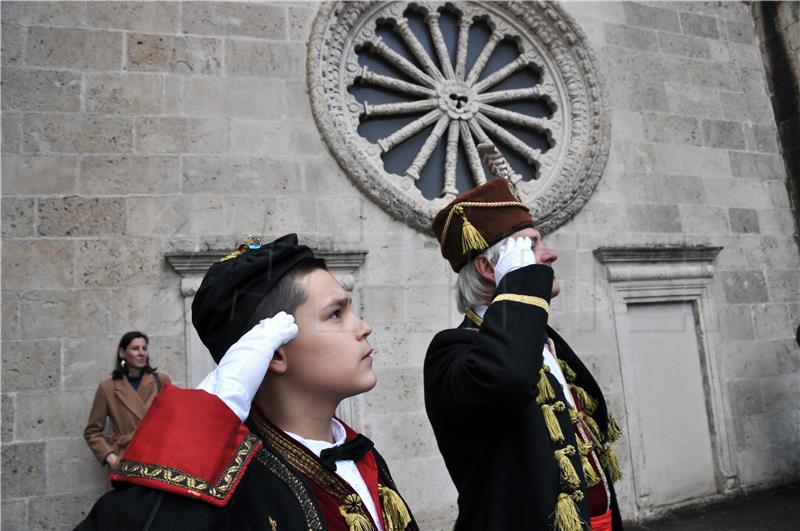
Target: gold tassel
column 589, row 472
column 568, row 474
column 592, row 426
column 613, row 463
column 551, row 421
column 395, row 513
column 589, row 403
column 567, row 517
column 545, row 387
column 351, row 511
column 569, row 374
column 614, row 431
column 573, row 415
column 471, row 239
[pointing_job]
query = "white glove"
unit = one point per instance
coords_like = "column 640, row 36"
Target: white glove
column 243, row 367
column 514, row 254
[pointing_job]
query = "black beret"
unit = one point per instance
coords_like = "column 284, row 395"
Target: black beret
column 233, row 288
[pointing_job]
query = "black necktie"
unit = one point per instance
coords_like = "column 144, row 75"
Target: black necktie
column 351, row 450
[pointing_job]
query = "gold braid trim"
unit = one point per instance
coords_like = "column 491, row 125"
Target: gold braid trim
column 567, row 517
column 352, row 511
column 551, row 421
column 546, row 391
column 395, row 513
column 480, row 204
column 524, row 299
column 569, row 374
column 474, row 317
column 568, row 474
column 589, row 403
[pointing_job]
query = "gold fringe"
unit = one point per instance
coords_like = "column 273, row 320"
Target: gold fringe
column 471, row 239
column 351, row 511
column 395, row 513
column 569, row 374
column 551, row 421
column 573, row 415
column 568, row 474
column 546, row 391
column 613, row 463
column 614, row 431
column 589, row 473
column 567, row 517
column 589, row 403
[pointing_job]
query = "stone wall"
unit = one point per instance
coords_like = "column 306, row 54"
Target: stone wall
column 133, row 130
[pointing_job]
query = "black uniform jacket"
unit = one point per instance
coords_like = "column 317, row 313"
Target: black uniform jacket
column 480, row 396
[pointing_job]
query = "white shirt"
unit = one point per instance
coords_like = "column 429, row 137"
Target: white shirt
column 549, row 360
column 347, row 470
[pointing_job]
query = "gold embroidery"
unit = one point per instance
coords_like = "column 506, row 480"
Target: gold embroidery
column 474, row 317
column 298, row 488
column 524, row 299
column 179, row 478
column 272, row 523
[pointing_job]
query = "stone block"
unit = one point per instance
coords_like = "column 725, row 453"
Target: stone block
column 761, row 138
column 157, row 17
column 699, row 25
column 692, row 101
column 708, row 76
column 736, row 322
column 402, row 436
column 436, row 491
column 784, row 393
column 162, row 216
column 746, row 397
column 261, row 21
column 678, row 160
column 116, row 262
column 31, row 365
column 400, row 387
column 678, row 189
column 173, row 93
column 88, row 361
column 736, row 31
column 671, row 129
column 722, row 134
column 23, row 469
column 8, row 409
column 37, row 264
column 50, row 513
column 340, row 218
column 298, row 102
column 252, row 215
column 382, row 303
column 51, row 414
column 735, row 193
column 402, row 265
column 10, row 313
column 180, row 55
column 744, row 286
column 299, row 213
column 778, row 221
column 704, row 219
column 629, row 37
column 252, row 99
column 264, row 59
column 17, row 217
column 64, row 133
column 45, row 314
column 124, row 93
column 692, row 47
column 756, row 166
column 12, row 132
column 276, row 139
column 11, row 44
column 68, row 459
column 181, row 135
column 301, row 18
column 79, row 216
column 40, row 13
column 73, row 48
column 775, row 321
column 129, row 174
column 427, row 307
column 41, row 90
column 168, row 355
column 744, row 220
column 38, row 175
column 784, row 285
column 14, row 514
column 639, row 95
column 778, row 194
column 752, row 80
column 241, row 175
column 133, row 309
column 651, row 17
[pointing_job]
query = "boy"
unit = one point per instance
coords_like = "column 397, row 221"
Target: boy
column 248, row 452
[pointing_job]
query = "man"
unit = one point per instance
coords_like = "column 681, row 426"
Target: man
column 521, row 423
column 245, row 452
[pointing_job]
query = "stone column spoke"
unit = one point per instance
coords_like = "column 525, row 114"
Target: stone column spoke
column 402, row 64
column 398, row 85
column 409, row 107
column 401, row 135
column 511, row 95
column 427, row 149
column 531, row 155
column 483, row 58
column 499, row 75
column 418, row 50
column 473, row 157
column 463, row 45
column 521, row 120
column 449, row 189
column 441, row 47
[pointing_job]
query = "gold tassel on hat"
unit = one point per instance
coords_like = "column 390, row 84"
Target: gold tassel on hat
column 569, row 374
column 471, row 239
column 568, row 474
column 395, row 513
column 567, row 517
column 589, row 472
column 589, row 403
column 351, row 511
column 551, row 421
column 545, row 387
column 614, row 431
column 613, row 463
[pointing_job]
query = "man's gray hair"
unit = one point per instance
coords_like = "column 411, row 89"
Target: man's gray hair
column 471, row 289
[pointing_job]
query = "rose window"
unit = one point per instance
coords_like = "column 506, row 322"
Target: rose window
column 404, row 92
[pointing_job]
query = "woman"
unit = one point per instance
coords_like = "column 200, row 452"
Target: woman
column 125, row 398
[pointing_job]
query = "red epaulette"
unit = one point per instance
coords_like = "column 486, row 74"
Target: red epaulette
column 189, row 443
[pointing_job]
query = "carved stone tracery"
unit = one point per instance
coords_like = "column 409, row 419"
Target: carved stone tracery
column 459, row 107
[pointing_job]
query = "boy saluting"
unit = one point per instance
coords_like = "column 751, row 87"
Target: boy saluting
column 245, row 452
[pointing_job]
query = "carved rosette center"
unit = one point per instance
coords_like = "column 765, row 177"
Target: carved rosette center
column 458, row 100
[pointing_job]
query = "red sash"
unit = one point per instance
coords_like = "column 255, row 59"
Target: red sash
column 602, row 522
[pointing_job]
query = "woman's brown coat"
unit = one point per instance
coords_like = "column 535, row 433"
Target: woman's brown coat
column 125, row 407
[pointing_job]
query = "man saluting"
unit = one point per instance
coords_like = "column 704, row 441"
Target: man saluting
column 520, row 421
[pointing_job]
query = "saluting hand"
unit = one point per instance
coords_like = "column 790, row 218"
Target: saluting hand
column 514, row 254
column 243, row 367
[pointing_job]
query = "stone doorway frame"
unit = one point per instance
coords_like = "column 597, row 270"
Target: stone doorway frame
column 662, row 275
